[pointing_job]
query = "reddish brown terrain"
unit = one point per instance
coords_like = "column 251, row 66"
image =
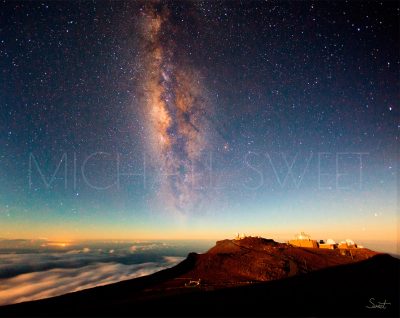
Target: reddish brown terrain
column 252, row 259
column 251, row 276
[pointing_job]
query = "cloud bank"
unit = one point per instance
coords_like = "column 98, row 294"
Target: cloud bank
column 35, row 270
column 58, row 281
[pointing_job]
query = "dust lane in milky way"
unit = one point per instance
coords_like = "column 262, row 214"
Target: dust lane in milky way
column 175, row 111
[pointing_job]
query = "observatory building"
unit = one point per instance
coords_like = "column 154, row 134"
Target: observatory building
column 329, row 244
column 347, row 244
column 303, row 240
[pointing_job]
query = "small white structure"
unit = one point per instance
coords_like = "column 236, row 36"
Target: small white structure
column 304, row 240
column 194, row 283
column 330, row 242
column 350, row 242
column 303, row 236
column 240, row 236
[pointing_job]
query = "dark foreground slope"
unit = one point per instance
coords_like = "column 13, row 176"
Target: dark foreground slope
column 345, row 290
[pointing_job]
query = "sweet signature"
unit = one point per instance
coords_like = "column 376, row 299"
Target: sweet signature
column 377, row 304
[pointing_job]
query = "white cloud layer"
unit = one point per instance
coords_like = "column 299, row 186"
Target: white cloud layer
column 57, row 281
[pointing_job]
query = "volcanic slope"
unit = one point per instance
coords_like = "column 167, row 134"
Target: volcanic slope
column 251, row 276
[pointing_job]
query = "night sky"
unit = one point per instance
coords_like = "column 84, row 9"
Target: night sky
column 199, row 119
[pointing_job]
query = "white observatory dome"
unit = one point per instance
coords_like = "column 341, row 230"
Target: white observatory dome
column 330, row 242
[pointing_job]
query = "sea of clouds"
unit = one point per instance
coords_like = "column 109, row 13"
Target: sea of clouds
column 44, row 271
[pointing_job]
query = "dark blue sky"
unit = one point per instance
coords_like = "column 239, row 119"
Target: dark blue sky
column 268, row 86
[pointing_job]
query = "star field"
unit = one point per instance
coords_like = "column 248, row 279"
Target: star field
column 198, row 117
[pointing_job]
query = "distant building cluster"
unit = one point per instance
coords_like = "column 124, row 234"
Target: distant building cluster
column 240, row 236
column 304, row 240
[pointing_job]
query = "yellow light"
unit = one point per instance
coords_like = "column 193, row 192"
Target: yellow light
column 57, row 244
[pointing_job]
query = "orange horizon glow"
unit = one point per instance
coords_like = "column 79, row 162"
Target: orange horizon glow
column 71, row 238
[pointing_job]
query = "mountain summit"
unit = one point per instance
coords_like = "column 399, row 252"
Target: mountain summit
column 253, row 259
column 247, row 276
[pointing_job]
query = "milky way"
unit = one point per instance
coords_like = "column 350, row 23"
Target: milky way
column 225, row 100
column 176, row 109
